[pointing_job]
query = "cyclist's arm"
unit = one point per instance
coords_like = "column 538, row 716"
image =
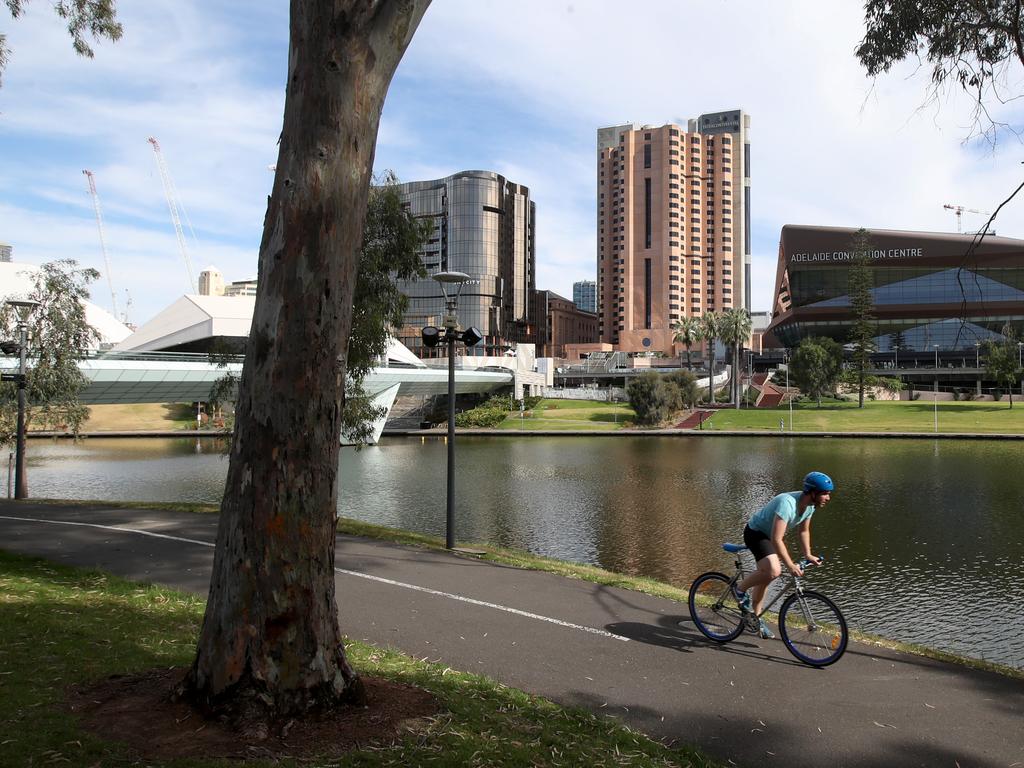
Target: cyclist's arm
column 805, row 540
column 778, row 532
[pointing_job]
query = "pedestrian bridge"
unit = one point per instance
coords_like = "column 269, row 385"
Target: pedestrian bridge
column 158, row 377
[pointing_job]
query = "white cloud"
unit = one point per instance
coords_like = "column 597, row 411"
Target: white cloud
column 519, row 88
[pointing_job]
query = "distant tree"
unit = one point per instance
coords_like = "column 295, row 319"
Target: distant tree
column 864, row 329
column 686, row 393
column 710, row 328
column 975, row 45
column 816, row 365
column 85, row 18
column 392, row 239
column 651, row 400
column 735, row 330
column 686, row 331
column 1002, row 362
column 58, row 335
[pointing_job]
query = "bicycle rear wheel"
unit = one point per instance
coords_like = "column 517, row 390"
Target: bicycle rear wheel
column 813, row 629
column 713, row 607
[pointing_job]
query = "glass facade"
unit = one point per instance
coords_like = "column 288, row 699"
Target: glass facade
column 484, row 226
column 930, row 290
column 584, row 295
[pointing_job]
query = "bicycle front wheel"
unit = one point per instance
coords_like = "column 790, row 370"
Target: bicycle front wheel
column 813, row 629
column 714, row 609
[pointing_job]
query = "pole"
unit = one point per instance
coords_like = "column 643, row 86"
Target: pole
column 449, row 525
column 935, row 393
column 20, row 480
column 790, row 396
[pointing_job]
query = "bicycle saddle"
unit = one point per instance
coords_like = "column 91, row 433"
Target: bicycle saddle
column 734, row 548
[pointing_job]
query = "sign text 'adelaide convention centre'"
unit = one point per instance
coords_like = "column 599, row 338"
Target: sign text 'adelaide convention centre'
column 892, row 253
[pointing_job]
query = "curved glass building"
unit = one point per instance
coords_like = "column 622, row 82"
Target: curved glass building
column 930, row 290
column 484, row 226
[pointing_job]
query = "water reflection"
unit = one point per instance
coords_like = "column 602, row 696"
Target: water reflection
column 923, row 538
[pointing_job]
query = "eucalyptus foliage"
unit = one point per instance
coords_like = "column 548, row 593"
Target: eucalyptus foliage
column 977, row 46
column 95, row 18
column 58, row 335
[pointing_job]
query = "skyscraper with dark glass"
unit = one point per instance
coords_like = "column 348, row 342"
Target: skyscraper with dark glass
column 584, row 295
column 484, row 225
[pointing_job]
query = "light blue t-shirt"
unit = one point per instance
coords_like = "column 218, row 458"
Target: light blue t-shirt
column 784, row 506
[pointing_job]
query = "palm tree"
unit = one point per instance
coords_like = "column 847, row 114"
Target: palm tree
column 735, row 329
column 686, row 332
column 710, row 327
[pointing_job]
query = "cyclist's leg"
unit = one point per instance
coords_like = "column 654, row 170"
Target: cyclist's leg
column 768, row 569
column 768, row 566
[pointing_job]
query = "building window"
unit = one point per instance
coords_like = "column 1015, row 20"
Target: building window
column 647, row 213
column 647, row 293
column 647, row 155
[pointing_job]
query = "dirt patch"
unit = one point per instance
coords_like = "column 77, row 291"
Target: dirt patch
column 140, row 711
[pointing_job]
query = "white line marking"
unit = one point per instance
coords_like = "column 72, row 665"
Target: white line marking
column 472, row 601
column 427, row 590
column 110, row 528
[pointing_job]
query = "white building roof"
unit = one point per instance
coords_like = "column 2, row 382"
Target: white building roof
column 194, row 318
column 16, row 281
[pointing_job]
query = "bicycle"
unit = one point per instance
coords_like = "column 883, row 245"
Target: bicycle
column 812, row 627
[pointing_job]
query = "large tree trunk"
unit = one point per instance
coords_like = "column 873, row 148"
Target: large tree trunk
column 270, row 644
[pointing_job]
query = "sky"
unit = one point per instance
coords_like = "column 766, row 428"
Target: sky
column 519, row 87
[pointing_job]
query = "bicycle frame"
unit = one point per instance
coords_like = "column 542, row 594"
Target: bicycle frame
column 794, row 584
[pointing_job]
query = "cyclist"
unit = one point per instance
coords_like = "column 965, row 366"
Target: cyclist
column 763, row 536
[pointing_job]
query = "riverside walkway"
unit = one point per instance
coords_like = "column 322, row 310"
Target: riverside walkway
column 619, row 653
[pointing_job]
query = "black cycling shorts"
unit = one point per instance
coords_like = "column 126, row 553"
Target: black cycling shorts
column 759, row 544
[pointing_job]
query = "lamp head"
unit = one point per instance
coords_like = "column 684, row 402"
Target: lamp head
column 23, row 307
column 471, row 337
column 451, row 278
column 431, row 336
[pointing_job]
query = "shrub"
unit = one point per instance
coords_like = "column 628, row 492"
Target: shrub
column 686, row 391
column 650, row 398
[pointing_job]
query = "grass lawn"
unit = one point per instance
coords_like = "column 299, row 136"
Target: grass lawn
column 140, row 416
column 571, row 415
column 63, row 626
column 879, row 416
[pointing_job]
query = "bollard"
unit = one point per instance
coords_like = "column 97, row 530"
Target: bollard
column 782, row 425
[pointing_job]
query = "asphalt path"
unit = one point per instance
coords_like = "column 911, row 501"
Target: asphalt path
column 616, row 652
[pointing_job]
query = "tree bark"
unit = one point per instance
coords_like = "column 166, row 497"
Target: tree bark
column 270, row 645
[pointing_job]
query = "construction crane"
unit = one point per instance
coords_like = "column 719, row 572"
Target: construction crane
column 103, row 240
column 959, row 210
column 172, row 205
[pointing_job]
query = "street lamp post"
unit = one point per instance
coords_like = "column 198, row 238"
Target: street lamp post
column 896, row 354
column 977, row 355
column 24, row 309
column 789, row 395
column 432, row 337
column 935, row 392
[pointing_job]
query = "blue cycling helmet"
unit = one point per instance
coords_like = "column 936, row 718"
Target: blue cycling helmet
column 818, row 482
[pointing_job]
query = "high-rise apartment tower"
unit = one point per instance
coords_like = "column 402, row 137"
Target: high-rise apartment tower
column 673, row 226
